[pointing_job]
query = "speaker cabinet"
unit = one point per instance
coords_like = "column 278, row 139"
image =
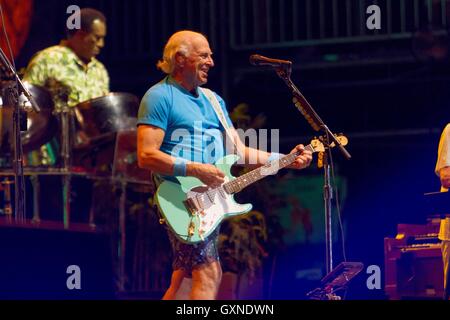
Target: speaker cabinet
column 35, row 263
column 421, row 276
column 415, row 273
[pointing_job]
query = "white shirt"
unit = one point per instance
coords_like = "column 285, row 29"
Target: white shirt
column 443, row 160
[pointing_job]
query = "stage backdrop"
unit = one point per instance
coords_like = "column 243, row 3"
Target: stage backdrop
column 17, row 17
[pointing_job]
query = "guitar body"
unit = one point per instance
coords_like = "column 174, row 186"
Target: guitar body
column 193, row 211
column 217, row 205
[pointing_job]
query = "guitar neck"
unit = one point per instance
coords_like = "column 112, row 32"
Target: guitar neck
column 270, row 168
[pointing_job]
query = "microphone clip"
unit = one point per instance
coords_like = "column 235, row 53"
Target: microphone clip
column 279, row 65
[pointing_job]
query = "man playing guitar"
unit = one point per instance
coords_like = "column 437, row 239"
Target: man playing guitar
column 175, row 119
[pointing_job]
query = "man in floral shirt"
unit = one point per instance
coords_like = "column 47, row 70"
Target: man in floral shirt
column 70, row 70
column 73, row 75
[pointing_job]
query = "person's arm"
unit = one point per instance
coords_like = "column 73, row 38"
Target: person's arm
column 104, row 80
column 255, row 157
column 37, row 71
column 149, row 140
column 444, row 175
column 442, row 168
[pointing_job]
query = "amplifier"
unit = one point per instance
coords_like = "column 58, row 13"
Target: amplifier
column 415, row 272
column 52, row 263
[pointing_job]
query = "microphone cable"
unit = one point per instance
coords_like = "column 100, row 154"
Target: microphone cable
column 338, row 206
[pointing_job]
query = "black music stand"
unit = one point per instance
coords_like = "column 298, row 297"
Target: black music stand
column 335, row 281
column 437, row 203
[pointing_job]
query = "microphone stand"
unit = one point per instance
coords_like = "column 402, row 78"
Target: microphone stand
column 12, row 94
column 284, row 72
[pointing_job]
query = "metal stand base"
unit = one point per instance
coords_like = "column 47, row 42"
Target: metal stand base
column 335, row 281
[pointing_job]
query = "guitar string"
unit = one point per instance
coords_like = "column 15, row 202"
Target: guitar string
column 249, row 177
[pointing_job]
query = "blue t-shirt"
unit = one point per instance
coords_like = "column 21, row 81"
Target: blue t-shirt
column 192, row 129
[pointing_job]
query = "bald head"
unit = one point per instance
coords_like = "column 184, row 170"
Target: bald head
column 181, row 42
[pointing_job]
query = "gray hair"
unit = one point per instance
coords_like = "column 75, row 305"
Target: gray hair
column 179, row 42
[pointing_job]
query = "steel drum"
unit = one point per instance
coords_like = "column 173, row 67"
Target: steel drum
column 100, row 118
column 42, row 126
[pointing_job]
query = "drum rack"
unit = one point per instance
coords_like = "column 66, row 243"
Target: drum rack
column 34, row 178
column 120, row 181
column 98, row 119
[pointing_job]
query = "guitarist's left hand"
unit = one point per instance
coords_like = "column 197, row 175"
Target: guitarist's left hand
column 303, row 160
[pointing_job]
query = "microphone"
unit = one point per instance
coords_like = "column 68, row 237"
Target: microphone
column 257, row 60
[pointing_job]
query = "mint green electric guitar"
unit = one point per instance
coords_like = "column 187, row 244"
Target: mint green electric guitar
column 193, row 211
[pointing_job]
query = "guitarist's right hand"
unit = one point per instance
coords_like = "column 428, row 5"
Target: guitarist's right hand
column 206, row 173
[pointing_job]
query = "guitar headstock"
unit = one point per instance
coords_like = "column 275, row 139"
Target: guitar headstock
column 318, row 146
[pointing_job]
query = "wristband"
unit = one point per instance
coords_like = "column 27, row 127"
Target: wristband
column 179, row 167
column 274, row 156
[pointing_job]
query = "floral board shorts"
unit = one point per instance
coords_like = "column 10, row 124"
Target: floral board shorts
column 188, row 256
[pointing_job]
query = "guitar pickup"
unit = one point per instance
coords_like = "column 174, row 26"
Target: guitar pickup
column 191, row 206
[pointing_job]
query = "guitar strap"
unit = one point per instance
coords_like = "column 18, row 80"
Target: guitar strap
column 219, row 112
column 157, row 180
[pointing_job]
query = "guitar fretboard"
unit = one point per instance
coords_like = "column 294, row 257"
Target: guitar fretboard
column 270, row 168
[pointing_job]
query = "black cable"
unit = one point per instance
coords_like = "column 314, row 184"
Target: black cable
column 338, row 207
